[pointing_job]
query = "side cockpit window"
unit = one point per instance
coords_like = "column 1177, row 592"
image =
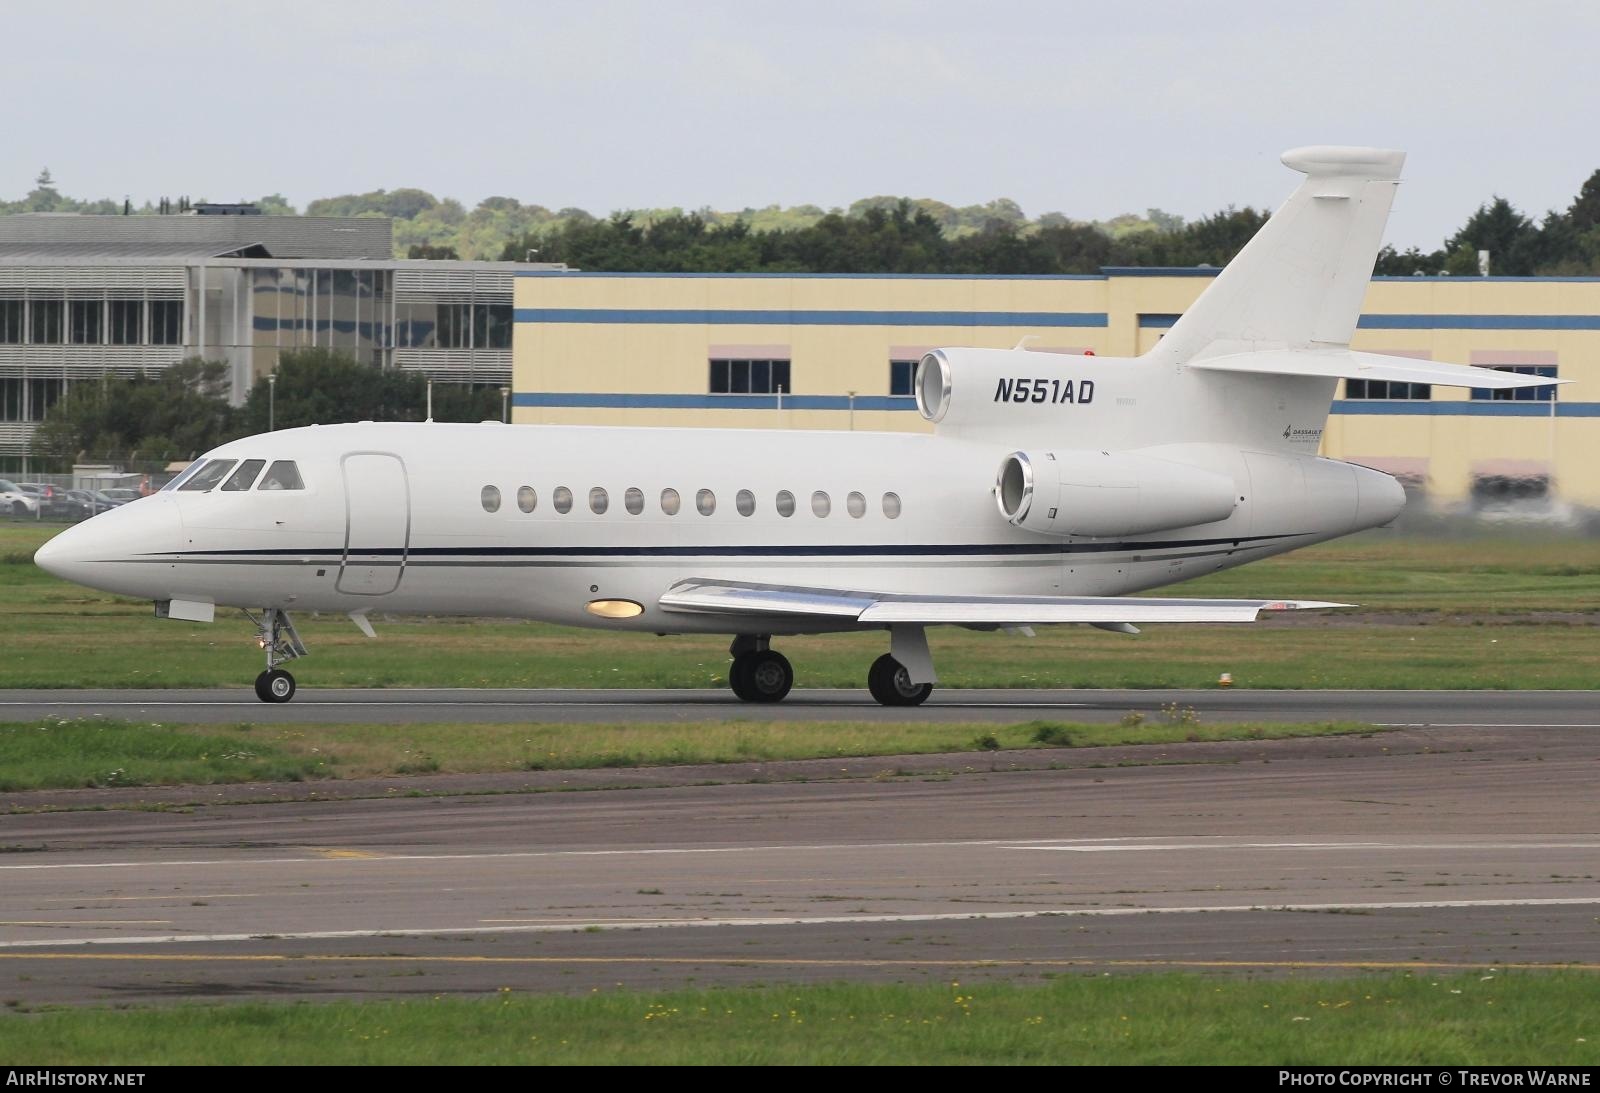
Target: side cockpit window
column 208, row 476
column 242, row 478
column 282, row 475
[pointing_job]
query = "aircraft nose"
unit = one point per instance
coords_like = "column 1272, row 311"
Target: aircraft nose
column 103, row 552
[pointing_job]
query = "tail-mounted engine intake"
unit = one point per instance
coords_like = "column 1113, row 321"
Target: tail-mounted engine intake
column 1102, row 494
column 957, row 388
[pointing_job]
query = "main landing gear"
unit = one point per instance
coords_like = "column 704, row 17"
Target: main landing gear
column 275, row 633
column 761, row 674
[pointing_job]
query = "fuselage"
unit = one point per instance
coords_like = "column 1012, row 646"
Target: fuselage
column 540, row 521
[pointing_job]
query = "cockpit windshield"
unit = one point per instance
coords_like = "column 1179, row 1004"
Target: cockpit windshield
column 209, row 475
column 188, row 472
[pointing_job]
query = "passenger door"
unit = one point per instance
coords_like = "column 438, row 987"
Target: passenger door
column 377, row 507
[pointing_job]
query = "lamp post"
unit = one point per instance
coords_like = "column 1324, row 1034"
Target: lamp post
column 272, row 400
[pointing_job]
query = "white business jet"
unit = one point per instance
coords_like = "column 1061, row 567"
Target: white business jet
column 1050, row 486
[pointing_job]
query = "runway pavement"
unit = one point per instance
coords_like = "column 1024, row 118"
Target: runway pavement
column 1466, row 848
column 413, row 705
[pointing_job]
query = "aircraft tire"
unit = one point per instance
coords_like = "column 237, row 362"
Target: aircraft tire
column 891, row 685
column 768, row 677
column 739, row 678
column 275, row 686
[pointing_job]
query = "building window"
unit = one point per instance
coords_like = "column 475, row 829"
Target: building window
column 46, row 325
column 83, row 322
column 1387, row 389
column 29, row 399
column 455, row 326
column 749, row 377
column 11, row 322
column 127, row 322
column 491, row 326
column 1520, row 394
column 785, row 503
column 491, row 499
column 166, row 322
column 901, row 375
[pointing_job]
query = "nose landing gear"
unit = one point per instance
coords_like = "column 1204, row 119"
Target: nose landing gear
column 276, row 634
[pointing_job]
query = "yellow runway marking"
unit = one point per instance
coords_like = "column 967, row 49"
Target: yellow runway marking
column 805, row 962
column 332, row 852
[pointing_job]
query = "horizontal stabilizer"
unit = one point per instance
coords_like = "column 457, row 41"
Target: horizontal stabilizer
column 1345, row 364
column 885, row 608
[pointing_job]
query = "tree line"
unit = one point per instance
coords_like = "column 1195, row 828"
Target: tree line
column 891, row 235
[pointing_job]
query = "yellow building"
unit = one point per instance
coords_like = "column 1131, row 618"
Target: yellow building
column 836, row 352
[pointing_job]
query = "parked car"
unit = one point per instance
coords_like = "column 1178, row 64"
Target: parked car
column 122, row 495
column 84, row 504
column 52, row 499
column 15, row 501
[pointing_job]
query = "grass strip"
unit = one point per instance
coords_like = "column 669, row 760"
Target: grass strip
column 61, row 754
column 1543, row 1019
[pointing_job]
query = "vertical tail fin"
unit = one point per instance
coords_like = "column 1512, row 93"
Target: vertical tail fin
column 1300, row 282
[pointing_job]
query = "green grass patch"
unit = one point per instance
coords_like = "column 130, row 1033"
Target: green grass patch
column 57, row 755
column 1465, row 1020
column 1434, row 614
column 61, row 754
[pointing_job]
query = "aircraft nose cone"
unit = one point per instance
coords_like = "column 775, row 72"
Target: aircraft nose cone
column 99, row 552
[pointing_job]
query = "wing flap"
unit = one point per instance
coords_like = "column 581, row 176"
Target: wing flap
column 1371, row 366
column 883, row 609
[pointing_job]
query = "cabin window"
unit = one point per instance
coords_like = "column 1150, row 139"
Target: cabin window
column 821, row 504
column 245, row 476
column 785, row 503
column 527, row 498
column 491, row 499
column 856, row 505
column 670, row 502
column 891, row 505
column 705, row 502
column 282, row 475
column 209, row 475
column 745, row 502
column 562, row 500
column 633, row 500
column 599, row 501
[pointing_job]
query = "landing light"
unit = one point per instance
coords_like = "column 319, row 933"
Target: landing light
column 615, row 609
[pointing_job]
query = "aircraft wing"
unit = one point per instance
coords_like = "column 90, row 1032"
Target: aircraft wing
column 734, row 599
column 1344, row 364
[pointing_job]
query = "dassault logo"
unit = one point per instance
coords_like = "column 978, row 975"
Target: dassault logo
column 1301, row 436
column 1035, row 390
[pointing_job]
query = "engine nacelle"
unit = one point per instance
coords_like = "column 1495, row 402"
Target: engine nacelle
column 1011, row 387
column 1101, row 494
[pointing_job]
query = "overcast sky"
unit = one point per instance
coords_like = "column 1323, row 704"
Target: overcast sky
column 1091, row 109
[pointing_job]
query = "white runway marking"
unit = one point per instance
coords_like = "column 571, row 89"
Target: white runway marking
column 657, row 924
column 1128, row 843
